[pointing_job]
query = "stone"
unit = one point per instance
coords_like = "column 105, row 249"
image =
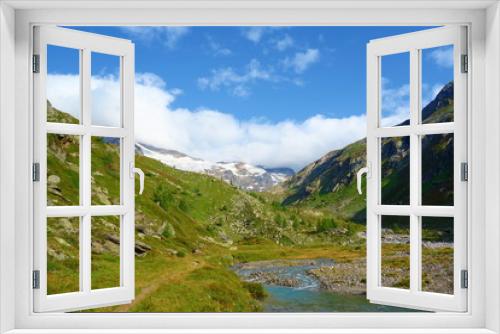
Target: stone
column 62, row 242
column 57, row 255
column 113, row 238
column 141, row 248
column 53, row 180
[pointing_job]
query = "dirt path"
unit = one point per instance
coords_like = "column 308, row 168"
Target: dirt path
column 166, row 276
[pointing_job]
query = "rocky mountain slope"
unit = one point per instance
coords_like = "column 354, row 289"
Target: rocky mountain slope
column 242, row 175
column 330, row 180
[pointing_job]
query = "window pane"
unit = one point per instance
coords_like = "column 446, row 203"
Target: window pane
column 437, row 84
column 395, row 170
column 395, row 252
column 63, row 253
column 395, row 88
column 437, row 170
column 437, row 254
column 63, row 169
column 105, row 252
column 105, row 161
column 63, row 85
column 106, row 90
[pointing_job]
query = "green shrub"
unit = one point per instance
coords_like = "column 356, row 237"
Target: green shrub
column 280, row 221
column 256, row 290
column 351, row 230
column 183, row 205
column 169, row 231
column 326, row 224
column 162, row 196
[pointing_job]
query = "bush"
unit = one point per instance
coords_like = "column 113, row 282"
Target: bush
column 277, row 205
column 296, row 222
column 162, row 196
column 326, row 224
column 280, row 221
column 211, row 229
column 351, row 230
column 183, row 205
column 169, row 231
column 181, row 253
column 256, row 290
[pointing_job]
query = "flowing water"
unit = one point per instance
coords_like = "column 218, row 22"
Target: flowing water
column 291, row 289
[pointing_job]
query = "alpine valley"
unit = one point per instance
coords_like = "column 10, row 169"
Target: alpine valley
column 232, row 237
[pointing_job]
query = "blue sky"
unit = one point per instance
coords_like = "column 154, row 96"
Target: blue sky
column 260, row 79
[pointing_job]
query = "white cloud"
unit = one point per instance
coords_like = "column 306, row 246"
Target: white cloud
column 395, row 103
column 63, row 92
column 302, row 60
column 430, row 92
column 169, row 36
column 436, row 88
column 211, row 134
column 442, row 56
column 236, row 83
column 284, row 43
column 217, row 49
column 255, row 34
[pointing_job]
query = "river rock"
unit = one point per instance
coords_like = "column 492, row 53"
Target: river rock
column 345, row 278
column 272, row 278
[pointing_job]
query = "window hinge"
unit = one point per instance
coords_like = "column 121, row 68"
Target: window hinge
column 464, row 171
column 36, row 279
column 465, row 63
column 36, row 63
column 464, row 279
column 36, row 172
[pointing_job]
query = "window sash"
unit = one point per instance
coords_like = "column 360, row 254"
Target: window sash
column 86, row 43
column 414, row 297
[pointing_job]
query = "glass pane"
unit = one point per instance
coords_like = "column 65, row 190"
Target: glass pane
column 63, row 85
column 106, row 90
column 437, row 84
column 437, row 254
column 63, row 169
column 395, row 82
column 395, row 171
column 105, row 160
column 395, row 252
column 63, row 251
column 105, row 252
column 437, row 169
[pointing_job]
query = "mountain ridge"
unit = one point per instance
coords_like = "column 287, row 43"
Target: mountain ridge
column 242, row 175
column 333, row 176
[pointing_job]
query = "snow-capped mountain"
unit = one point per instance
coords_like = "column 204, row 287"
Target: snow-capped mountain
column 239, row 174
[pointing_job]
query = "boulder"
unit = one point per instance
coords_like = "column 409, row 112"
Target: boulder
column 141, row 249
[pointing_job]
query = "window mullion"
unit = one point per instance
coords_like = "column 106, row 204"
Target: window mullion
column 415, row 173
column 85, row 176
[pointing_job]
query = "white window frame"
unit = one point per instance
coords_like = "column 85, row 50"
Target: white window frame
column 413, row 44
column 85, row 44
column 16, row 20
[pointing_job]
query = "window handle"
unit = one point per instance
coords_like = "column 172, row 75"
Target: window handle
column 133, row 171
column 364, row 170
